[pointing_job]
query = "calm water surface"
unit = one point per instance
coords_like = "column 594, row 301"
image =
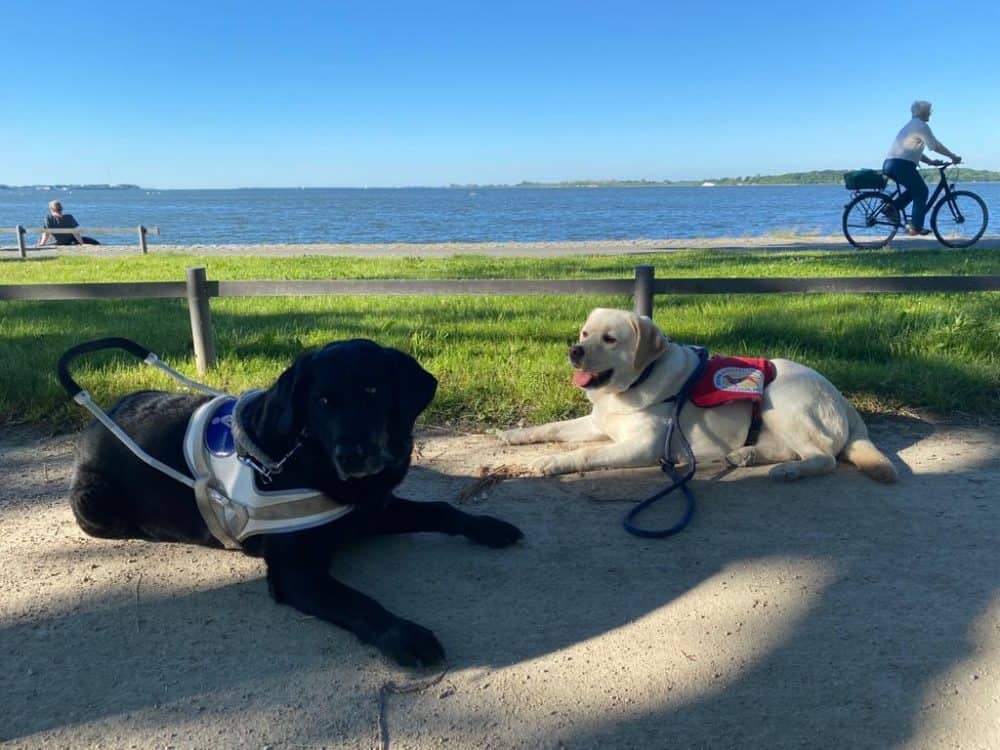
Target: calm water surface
column 423, row 215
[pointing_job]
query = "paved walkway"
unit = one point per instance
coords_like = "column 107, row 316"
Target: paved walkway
column 530, row 249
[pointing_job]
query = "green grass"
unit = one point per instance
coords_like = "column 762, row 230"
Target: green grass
column 171, row 267
column 503, row 359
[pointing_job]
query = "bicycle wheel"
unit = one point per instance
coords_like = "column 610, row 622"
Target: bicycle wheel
column 870, row 221
column 959, row 219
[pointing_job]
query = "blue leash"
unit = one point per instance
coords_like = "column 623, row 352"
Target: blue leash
column 668, row 464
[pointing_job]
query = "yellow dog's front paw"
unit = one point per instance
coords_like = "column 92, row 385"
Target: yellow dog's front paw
column 742, row 457
column 550, row 466
column 547, row 466
column 516, row 436
column 787, row 472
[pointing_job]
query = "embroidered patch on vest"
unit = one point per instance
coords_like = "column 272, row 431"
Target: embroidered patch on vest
column 729, row 379
column 219, row 431
column 739, row 380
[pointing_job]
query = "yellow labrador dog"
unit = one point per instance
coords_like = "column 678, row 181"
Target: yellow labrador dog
column 806, row 424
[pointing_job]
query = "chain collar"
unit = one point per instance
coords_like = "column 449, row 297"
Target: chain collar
column 251, row 454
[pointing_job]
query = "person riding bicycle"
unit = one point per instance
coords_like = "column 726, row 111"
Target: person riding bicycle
column 901, row 164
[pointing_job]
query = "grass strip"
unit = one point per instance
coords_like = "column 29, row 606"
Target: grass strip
column 502, row 360
column 704, row 263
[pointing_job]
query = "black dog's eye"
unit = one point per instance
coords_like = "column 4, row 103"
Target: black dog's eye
column 371, row 390
column 608, row 339
column 324, row 401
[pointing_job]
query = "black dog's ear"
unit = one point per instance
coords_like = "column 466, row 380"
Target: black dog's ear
column 283, row 408
column 415, row 387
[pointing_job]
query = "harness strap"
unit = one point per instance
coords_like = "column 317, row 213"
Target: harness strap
column 229, row 502
column 83, row 398
column 210, row 495
column 679, row 399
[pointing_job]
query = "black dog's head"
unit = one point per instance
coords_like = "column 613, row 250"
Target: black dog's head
column 356, row 400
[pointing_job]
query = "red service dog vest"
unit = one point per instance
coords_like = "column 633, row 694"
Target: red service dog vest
column 732, row 379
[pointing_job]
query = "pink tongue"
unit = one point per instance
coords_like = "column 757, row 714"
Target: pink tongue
column 581, row 378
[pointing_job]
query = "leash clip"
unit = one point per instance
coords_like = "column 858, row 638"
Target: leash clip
column 267, row 471
column 257, row 466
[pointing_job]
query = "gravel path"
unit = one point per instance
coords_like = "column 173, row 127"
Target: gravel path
column 831, row 613
column 524, row 249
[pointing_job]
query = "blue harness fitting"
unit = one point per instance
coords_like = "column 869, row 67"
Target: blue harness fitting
column 232, row 505
column 224, row 482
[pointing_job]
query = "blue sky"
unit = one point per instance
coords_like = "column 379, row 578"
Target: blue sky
column 224, row 94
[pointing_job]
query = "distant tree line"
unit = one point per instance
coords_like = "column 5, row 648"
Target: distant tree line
column 835, row 176
column 815, row 177
column 96, row 186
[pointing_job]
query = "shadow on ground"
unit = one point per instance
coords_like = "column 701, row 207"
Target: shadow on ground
column 582, row 635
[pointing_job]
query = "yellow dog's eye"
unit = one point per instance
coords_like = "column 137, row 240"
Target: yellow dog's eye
column 608, row 339
column 583, row 334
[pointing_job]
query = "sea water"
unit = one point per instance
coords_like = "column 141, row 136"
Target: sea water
column 425, row 215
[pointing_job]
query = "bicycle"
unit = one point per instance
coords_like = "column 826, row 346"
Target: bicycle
column 871, row 219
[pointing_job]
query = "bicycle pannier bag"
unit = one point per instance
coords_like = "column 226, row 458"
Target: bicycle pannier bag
column 864, row 179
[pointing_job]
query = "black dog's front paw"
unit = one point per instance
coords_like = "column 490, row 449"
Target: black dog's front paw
column 491, row 531
column 410, row 644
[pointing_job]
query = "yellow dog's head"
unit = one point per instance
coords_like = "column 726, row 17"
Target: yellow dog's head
column 614, row 348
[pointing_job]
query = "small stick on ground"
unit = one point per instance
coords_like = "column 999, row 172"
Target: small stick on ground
column 391, row 688
column 489, row 476
column 137, row 582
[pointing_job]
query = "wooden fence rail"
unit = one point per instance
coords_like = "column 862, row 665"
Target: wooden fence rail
column 198, row 290
column 504, row 287
column 19, row 231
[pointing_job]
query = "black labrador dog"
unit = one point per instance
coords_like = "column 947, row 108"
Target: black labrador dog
column 352, row 405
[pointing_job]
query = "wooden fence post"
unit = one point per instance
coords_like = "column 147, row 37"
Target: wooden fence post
column 643, row 294
column 201, row 319
column 19, row 230
column 142, row 239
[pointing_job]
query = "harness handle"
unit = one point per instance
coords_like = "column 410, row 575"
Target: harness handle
column 80, row 395
column 112, row 342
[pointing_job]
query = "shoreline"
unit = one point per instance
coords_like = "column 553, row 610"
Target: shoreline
column 495, row 249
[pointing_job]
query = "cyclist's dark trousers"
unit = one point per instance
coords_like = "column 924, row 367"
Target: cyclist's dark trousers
column 904, row 172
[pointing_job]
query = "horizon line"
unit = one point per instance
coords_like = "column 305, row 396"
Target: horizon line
column 62, row 186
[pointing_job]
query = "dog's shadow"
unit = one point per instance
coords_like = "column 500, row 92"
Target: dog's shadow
column 149, row 653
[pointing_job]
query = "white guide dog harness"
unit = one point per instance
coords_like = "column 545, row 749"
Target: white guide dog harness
column 231, row 504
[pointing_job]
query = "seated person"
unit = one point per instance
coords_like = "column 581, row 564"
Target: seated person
column 56, row 219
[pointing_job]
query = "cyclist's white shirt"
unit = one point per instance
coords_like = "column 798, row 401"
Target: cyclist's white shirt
column 910, row 142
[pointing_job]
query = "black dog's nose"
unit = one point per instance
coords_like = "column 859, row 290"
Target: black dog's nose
column 351, row 457
column 575, row 353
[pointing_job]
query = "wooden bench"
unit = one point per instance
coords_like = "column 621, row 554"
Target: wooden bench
column 20, row 231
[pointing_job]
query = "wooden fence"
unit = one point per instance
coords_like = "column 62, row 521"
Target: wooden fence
column 198, row 290
column 19, row 231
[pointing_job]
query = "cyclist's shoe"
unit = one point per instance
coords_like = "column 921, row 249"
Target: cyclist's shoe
column 914, row 232
column 890, row 212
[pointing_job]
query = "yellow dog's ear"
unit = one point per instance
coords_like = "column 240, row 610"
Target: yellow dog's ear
column 649, row 342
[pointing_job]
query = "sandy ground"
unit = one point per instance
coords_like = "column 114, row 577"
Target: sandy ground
column 524, row 249
column 832, row 613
